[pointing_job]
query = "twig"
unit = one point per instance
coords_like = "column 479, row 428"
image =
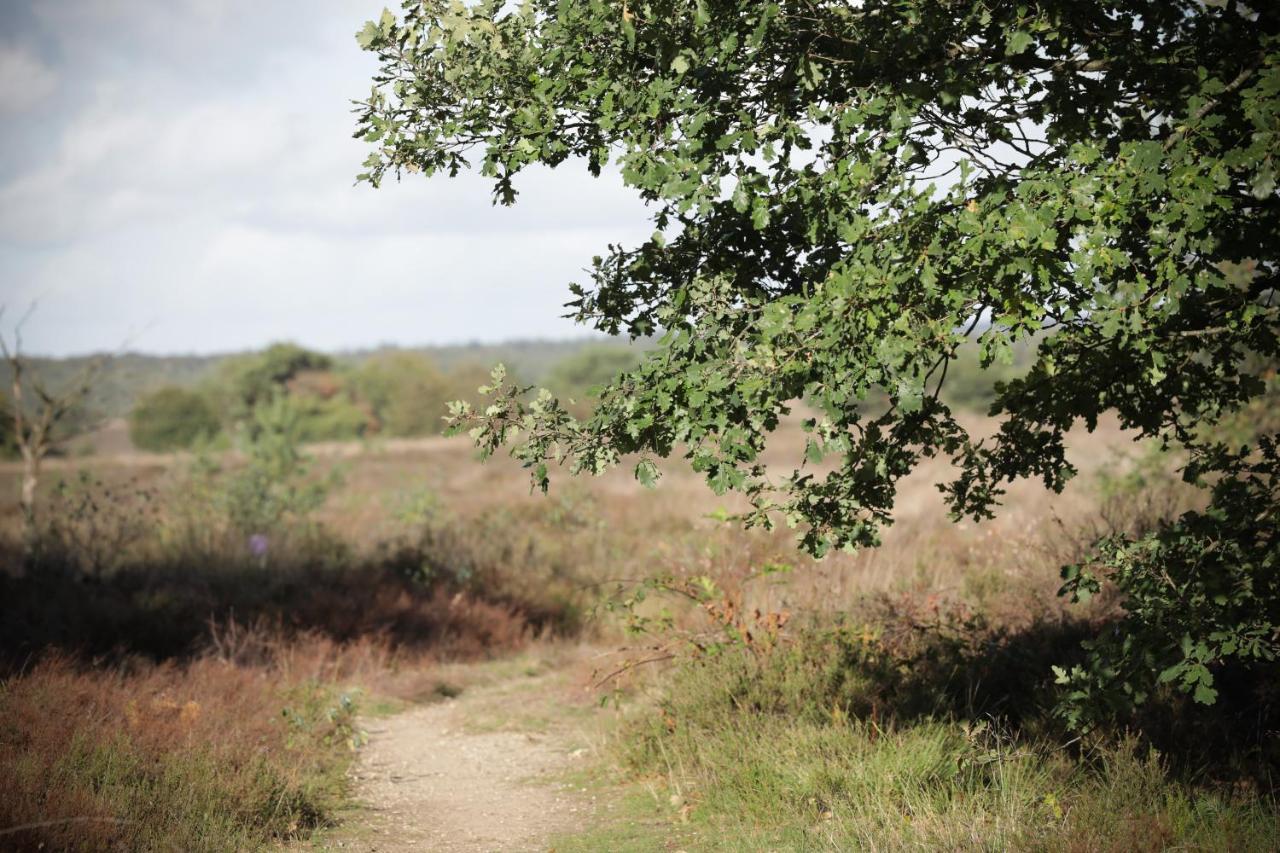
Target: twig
column 630, row 665
column 13, row 830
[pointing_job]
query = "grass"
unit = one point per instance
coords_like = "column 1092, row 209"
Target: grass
column 184, row 690
column 200, row 757
column 177, row 691
column 796, row 776
column 838, row 740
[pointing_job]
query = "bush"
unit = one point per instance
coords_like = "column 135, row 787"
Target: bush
column 247, row 381
column 273, row 487
column 89, row 527
column 333, row 419
column 406, row 392
column 171, row 419
column 593, row 367
column 1201, row 598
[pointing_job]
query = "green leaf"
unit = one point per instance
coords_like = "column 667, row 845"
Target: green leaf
column 760, row 214
column 1017, row 42
column 368, row 35
column 1205, row 695
column 647, row 473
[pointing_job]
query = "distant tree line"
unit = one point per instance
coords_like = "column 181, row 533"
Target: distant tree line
column 393, row 394
column 396, row 393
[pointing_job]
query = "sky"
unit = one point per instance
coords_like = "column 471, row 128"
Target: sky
column 178, row 176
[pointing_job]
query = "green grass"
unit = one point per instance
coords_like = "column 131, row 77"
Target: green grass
column 764, row 783
column 637, row 823
column 813, row 748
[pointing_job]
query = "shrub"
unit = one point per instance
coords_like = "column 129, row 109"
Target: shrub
column 1201, row 595
column 595, row 366
column 90, row 527
column 247, row 381
column 407, row 393
column 273, row 487
column 171, row 419
column 334, row 419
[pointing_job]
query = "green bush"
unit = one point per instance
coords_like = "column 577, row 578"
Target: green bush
column 249, row 380
column 1201, row 597
column 334, row 419
column 171, row 419
column 591, row 368
column 274, row 486
column 407, row 393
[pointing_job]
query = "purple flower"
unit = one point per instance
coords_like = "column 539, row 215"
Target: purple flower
column 258, row 545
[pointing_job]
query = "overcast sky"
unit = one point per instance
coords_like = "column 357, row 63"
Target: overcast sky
column 181, row 172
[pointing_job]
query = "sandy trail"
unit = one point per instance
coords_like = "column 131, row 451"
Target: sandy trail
column 480, row 772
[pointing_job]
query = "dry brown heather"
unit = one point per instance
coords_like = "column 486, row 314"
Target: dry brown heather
column 201, row 704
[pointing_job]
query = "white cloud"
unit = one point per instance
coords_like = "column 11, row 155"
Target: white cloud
column 24, row 80
column 201, row 177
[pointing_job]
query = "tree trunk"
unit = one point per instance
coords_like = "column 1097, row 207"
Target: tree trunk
column 31, row 458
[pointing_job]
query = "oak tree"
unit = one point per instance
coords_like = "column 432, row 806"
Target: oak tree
column 842, row 194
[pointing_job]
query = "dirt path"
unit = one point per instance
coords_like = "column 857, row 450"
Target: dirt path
column 485, row 771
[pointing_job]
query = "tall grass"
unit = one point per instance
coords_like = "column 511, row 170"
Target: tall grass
column 890, row 733
column 193, row 688
column 204, row 756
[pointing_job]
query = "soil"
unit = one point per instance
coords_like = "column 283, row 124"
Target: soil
column 487, row 770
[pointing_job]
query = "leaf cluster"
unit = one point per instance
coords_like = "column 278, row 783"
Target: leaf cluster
column 844, row 195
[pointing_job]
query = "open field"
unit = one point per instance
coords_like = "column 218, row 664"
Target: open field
column 883, row 397
column 197, row 694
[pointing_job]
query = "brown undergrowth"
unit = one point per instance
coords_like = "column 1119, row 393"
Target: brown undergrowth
column 201, row 692
column 217, row 735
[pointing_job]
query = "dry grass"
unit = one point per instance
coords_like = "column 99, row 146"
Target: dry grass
column 207, row 755
column 193, row 693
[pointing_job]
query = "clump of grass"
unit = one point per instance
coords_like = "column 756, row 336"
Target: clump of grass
column 915, row 726
column 204, row 756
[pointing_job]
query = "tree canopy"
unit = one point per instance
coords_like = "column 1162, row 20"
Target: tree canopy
column 255, row 378
column 843, row 194
column 172, row 418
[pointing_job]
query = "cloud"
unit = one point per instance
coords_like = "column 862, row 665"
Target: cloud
column 198, row 172
column 25, row 81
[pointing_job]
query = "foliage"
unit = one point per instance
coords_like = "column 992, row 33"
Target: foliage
column 592, row 368
column 250, row 380
column 835, row 742
column 90, row 527
column 171, row 418
column 273, row 485
column 1200, row 592
column 406, row 391
column 842, row 195
column 337, row 418
column 134, row 374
